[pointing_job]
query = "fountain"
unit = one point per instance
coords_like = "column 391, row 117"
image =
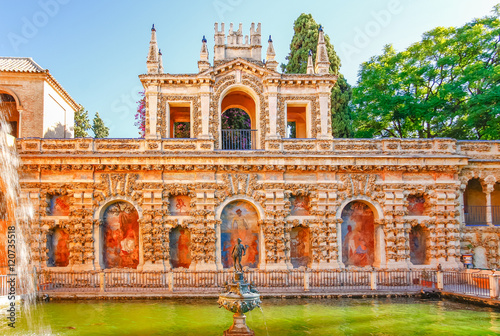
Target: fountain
column 15, row 217
column 239, row 296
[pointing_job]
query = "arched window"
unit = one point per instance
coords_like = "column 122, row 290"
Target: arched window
column 474, row 203
column 11, row 114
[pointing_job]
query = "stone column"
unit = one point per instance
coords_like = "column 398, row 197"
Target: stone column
column 272, row 98
column 489, row 215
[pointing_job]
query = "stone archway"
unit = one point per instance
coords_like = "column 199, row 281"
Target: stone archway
column 120, row 236
column 239, row 220
column 358, row 235
column 243, row 99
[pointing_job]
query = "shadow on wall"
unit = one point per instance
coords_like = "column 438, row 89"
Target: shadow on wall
column 59, row 131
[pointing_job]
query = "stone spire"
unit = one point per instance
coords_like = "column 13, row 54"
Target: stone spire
column 203, row 63
column 271, row 63
column 322, row 61
column 160, row 62
column 310, row 65
column 153, row 62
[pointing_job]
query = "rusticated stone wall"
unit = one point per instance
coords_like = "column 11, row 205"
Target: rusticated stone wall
column 267, row 181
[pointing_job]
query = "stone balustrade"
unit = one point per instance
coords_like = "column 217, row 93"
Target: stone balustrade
column 404, row 147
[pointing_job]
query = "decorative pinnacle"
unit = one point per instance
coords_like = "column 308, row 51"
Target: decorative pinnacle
column 204, row 40
column 153, row 28
column 270, row 39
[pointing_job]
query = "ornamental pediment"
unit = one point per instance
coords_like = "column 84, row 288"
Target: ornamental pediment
column 240, row 64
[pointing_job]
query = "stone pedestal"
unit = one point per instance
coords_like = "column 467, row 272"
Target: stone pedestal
column 239, row 327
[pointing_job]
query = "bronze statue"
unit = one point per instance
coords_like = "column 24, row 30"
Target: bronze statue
column 238, row 252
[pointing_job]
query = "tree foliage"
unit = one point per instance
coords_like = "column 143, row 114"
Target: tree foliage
column 140, row 115
column 446, row 85
column 305, row 38
column 235, row 118
column 82, row 123
column 100, row 130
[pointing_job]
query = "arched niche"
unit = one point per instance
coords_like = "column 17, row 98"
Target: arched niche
column 418, row 245
column 239, row 219
column 417, row 205
column 120, row 236
column 359, row 244
column 179, row 244
column 58, row 247
column 300, row 246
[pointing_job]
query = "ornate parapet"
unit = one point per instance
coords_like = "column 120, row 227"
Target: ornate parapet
column 371, row 147
column 479, row 149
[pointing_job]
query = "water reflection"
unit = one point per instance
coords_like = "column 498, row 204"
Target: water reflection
column 395, row 316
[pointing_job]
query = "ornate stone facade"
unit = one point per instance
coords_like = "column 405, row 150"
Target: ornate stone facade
column 370, row 183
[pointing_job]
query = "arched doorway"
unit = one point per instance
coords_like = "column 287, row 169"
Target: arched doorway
column 240, row 220
column 120, row 236
column 10, row 113
column 238, row 121
column 474, row 203
column 358, row 234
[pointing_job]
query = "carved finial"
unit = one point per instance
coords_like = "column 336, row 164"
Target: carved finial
column 203, row 63
column 160, row 62
column 271, row 63
column 322, row 61
column 310, row 65
column 153, row 57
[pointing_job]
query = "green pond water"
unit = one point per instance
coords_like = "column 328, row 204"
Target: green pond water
column 397, row 316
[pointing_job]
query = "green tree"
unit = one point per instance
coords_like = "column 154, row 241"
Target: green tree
column 446, row 85
column 100, row 130
column 82, row 123
column 305, row 38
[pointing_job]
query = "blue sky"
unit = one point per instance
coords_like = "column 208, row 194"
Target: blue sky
column 96, row 49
